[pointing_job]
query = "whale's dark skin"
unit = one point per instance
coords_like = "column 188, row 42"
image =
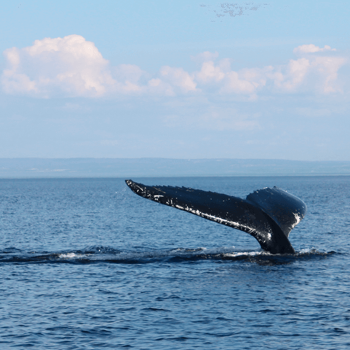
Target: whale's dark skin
column 268, row 214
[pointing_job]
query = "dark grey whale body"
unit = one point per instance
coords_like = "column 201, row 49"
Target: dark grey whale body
column 269, row 214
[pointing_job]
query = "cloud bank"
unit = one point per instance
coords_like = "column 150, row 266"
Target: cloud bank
column 72, row 67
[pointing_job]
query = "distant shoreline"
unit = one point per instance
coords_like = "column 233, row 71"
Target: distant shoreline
column 27, row 168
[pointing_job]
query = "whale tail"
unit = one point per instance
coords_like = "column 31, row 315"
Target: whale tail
column 268, row 214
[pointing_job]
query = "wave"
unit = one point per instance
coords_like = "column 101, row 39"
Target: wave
column 100, row 254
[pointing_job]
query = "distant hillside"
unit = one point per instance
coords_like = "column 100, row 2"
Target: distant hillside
column 161, row 167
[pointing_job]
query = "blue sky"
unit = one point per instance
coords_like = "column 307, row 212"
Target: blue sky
column 175, row 79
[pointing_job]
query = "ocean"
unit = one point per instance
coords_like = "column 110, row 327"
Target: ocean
column 87, row 264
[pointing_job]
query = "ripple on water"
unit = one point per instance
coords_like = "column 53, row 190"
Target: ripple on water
column 84, row 267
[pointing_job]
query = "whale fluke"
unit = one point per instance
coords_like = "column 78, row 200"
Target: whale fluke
column 268, row 214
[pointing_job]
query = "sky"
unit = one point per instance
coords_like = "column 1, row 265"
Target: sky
column 175, row 79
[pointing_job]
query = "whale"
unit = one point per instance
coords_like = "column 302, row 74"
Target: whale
column 268, row 214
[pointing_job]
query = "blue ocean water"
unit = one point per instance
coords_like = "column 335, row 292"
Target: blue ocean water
column 87, row 264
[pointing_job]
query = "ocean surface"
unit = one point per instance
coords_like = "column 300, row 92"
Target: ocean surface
column 87, row 264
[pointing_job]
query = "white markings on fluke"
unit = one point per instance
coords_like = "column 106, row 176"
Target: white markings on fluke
column 224, row 221
column 258, row 226
column 250, row 230
column 297, row 219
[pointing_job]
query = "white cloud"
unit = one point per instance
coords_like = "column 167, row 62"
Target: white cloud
column 289, row 77
column 72, row 66
column 210, row 73
column 311, row 48
column 327, row 68
column 245, row 81
column 128, row 78
column 69, row 65
column 157, row 86
column 227, row 81
column 178, row 78
column 317, row 74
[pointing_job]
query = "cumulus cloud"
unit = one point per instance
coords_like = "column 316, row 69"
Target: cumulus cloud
column 311, row 48
column 245, row 81
column 210, row 73
column 128, row 78
column 228, row 81
column 178, row 78
column 69, row 65
column 318, row 74
column 72, row 66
